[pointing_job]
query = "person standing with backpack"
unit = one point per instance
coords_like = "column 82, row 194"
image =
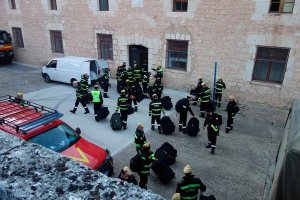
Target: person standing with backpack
column 212, row 122
column 139, row 137
column 97, row 100
column 220, row 86
column 232, row 108
column 123, row 104
column 147, row 158
column 155, row 110
column 183, row 107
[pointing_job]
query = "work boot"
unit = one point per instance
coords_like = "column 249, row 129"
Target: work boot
column 73, row 111
column 231, row 128
column 202, row 115
column 159, row 130
column 208, row 145
column 184, row 130
column 212, row 150
column 86, row 111
column 227, row 130
column 97, row 119
column 195, row 103
column 152, row 128
column 135, row 108
column 180, row 128
column 124, row 127
column 105, row 95
column 219, row 105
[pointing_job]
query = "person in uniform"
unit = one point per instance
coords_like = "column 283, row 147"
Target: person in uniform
column 122, row 105
column 139, row 137
column 131, row 90
column 84, row 84
column 126, row 175
column 198, row 91
column 79, row 98
column 189, row 186
column 155, row 110
column 232, row 108
column 105, row 82
column 212, row 124
column 97, row 100
column 204, row 99
column 158, row 87
column 220, row 86
column 147, row 159
column 184, row 108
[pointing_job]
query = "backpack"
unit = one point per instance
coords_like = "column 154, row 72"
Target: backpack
column 193, row 127
column 166, row 102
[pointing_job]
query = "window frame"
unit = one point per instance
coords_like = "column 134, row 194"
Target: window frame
column 100, row 45
column 100, row 9
column 180, row 1
column 56, row 34
column 13, row 4
column 53, row 4
column 281, row 6
column 269, row 65
column 18, row 37
column 182, row 51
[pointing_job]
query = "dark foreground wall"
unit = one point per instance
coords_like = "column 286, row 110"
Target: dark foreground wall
column 29, row 171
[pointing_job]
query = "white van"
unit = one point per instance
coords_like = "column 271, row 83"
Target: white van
column 70, row 68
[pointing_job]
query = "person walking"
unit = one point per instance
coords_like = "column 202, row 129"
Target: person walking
column 159, row 72
column 84, row 84
column 198, row 91
column 155, row 110
column 137, row 73
column 220, row 86
column 204, row 99
column 145, row 83
column 122, row 105
column 126, row 175
column 97, row 100
column 105, row 82
column 131, row 91
column 232, row 108
column 189, row 186
column 183, row 107
column 139, row 137
column 158, row 87
column 79, row 98
column 212, row 124
column 147, row 159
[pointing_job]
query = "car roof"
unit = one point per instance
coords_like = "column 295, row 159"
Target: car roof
column 74, row 59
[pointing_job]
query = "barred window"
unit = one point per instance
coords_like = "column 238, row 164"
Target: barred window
column 270, row 64
column 56, row 41
column 18, row 37
column 53, row 5
column 180, row 5
column 177, row 54
column 105, row 46
column 282, row 6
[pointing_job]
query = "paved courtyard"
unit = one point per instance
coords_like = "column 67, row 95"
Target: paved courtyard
column 238, row 169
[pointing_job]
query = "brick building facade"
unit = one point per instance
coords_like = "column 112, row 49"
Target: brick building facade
column 255, row 42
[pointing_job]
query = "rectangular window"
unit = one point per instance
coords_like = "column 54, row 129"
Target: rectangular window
column 103, row 5
column 282, row 6
column 105, row 46
column 18, row 38
column 53, row 5
column 56, row 42
column 180, row 5
column 177, row 54
column 270, row 64
column 12, row 4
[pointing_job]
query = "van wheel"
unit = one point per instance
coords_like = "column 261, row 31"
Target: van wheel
column 72, row 80
column 47, row 78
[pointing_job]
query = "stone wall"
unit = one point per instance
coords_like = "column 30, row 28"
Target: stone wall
column 227, row 32
column 29, row 171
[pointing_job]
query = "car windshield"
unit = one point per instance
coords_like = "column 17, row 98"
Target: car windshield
column 4, row 38
column 56, row 139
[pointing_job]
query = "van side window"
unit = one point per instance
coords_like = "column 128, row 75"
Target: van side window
column 52, row 64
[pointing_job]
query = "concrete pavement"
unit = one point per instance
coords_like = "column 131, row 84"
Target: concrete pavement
column 62, row 98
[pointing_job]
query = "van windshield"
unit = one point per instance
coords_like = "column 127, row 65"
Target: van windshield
column 56, row 139
column 4, row 38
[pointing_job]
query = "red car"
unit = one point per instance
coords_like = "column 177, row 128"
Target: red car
column 39, row 124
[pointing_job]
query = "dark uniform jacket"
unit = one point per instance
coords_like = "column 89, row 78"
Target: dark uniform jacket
column 155, row 107
column 157, row 87
column 145, row 78
column 205, row 95
column 123, row 103
column 211, row 123
column 131, row 90
column 137, row 73
column 131, row 178
column 232, row 107
column 84, row 84
column 184, row 106
column 147, row 158
column 189, row 187
column 220, row 86
column 139, row 138
column 79, row 91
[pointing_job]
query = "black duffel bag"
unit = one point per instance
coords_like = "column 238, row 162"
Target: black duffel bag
column 103, row 113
